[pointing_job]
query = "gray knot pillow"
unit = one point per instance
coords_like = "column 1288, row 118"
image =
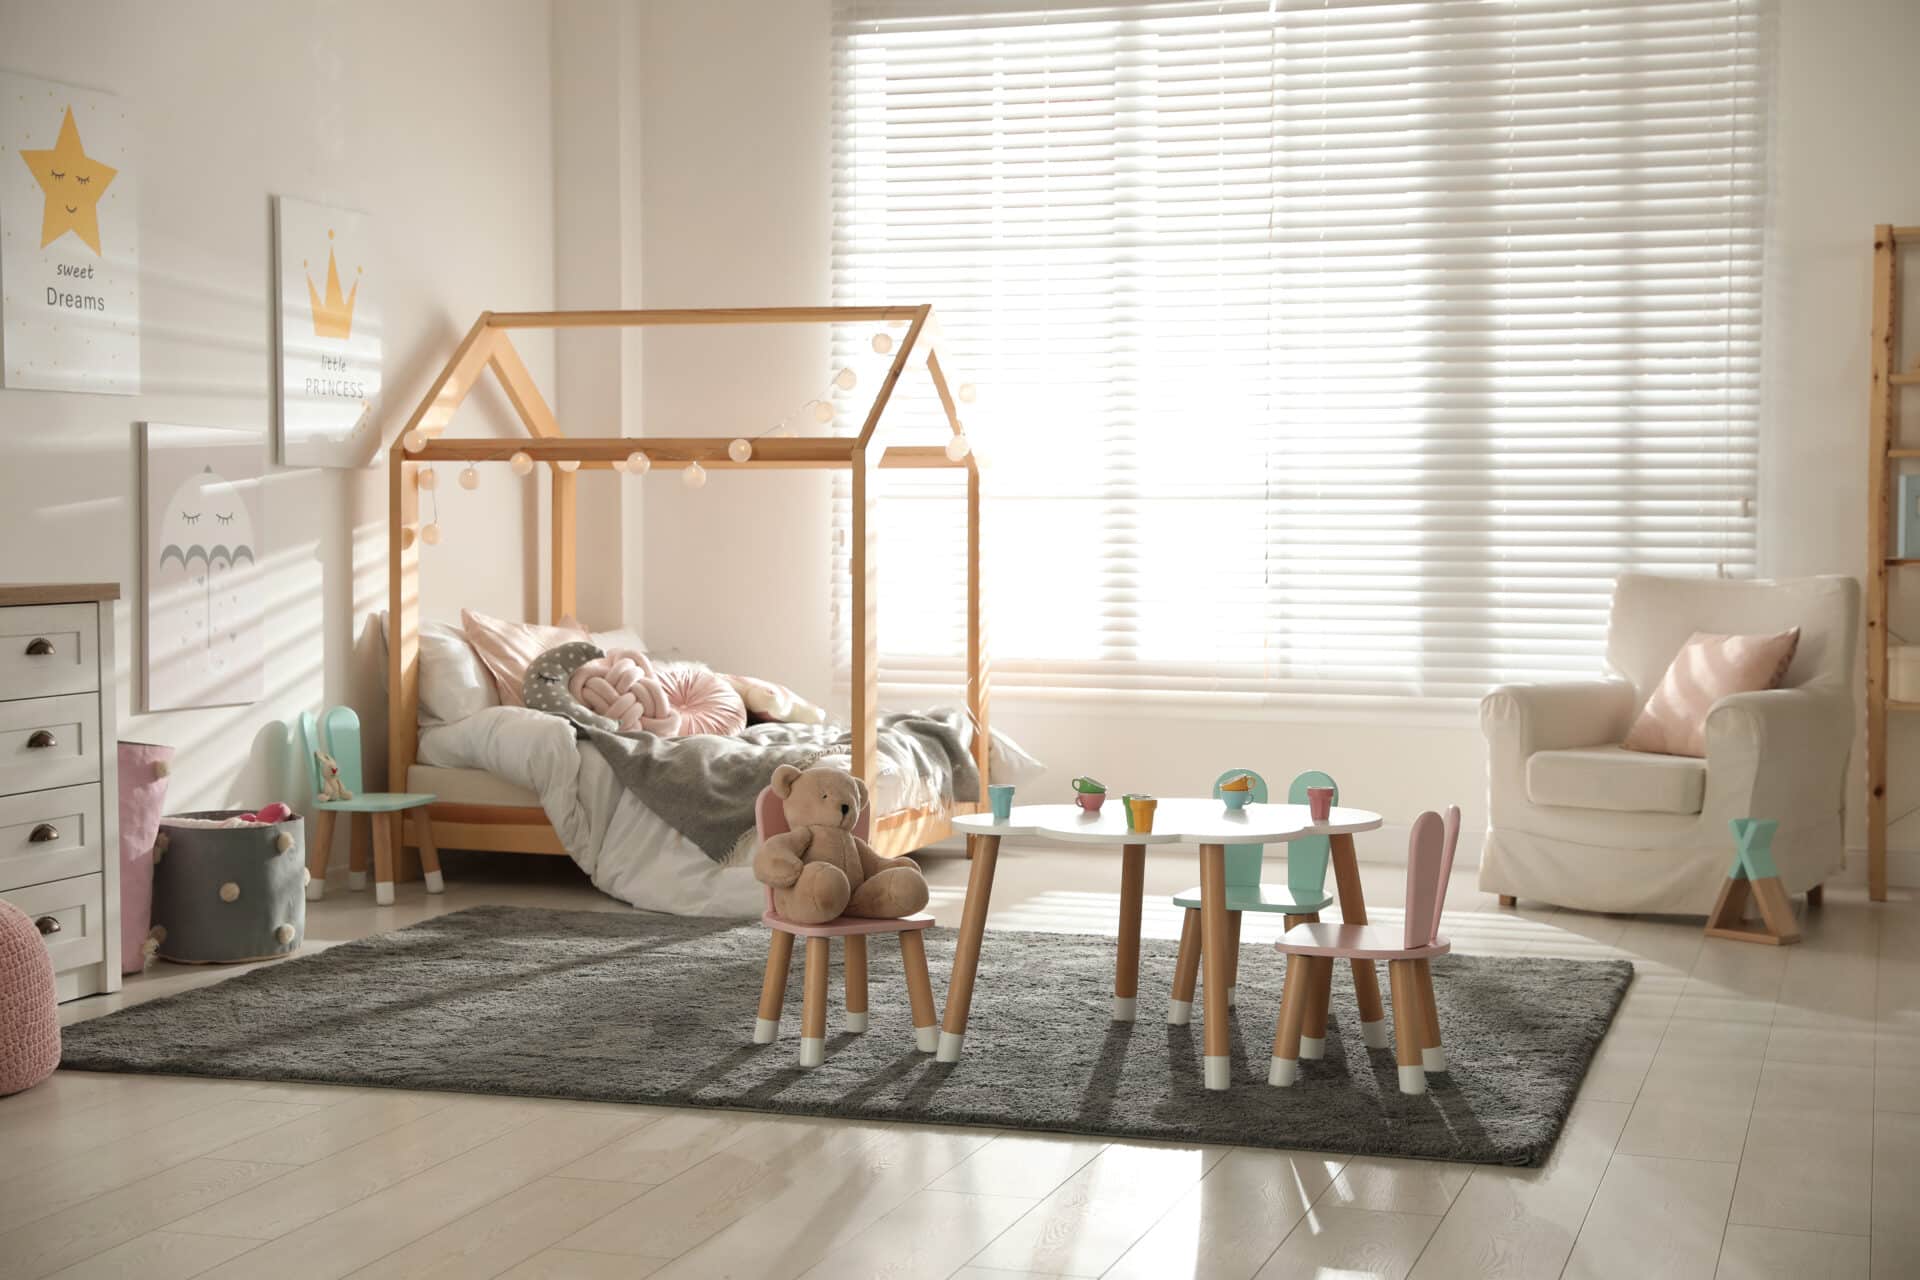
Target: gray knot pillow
column 545, row 688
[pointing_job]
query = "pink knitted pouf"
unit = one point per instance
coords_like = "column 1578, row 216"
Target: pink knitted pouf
column 29, row 1013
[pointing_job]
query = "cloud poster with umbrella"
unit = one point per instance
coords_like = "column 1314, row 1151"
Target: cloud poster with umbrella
column 201, row 567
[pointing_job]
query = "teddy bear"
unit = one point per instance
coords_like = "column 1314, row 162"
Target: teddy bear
column 818, row 869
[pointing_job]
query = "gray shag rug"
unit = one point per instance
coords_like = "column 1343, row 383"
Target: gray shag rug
column 640, row 1008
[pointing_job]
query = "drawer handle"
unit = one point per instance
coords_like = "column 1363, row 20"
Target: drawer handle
column 41, row 739
column 47, row 925
column 43, row 833
column 39, row 647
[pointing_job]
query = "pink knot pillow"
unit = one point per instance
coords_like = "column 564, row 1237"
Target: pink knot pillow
column 622, row 687
column 671, row 701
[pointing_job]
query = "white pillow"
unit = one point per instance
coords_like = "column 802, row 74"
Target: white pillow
column 454, row 683
column 622, row 638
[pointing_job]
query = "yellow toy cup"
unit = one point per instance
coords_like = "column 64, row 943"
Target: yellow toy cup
column 1139, row 813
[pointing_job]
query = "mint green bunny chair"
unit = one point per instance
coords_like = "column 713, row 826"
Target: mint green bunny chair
column 383, row 812
column 1300, row 899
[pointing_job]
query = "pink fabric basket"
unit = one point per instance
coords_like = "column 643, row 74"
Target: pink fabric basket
column 29, row 1012
column 144, row 767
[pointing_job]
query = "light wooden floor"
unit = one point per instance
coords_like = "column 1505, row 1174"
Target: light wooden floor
column 1754, row 1112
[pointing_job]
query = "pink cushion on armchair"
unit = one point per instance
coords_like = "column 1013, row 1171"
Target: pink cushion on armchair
column 29, row 1012
column 1707, row 669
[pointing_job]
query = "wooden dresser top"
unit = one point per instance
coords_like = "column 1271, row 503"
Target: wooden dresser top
column 14, row 593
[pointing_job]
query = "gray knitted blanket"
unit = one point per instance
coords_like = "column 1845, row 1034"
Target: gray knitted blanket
column 704, row 786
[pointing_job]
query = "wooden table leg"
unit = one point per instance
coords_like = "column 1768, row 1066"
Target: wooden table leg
column 318, row 853
column 856, row 975
column 773, row 987
column 385, row 837
column 1213, row 954
column 1353, row 910
column 1126, row 957
column 966, row 948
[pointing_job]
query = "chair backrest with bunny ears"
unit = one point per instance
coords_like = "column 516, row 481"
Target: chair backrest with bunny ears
column 770, row 819
column 1430, row 851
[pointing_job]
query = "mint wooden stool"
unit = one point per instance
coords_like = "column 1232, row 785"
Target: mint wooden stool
column 1300, row 900
column 382, row 811
column 1753, row 875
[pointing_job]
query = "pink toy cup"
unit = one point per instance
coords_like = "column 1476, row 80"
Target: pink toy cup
column 1090, row 800
column 1320, row 803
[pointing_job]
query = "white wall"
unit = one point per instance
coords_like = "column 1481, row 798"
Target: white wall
column 737, row 191
column 433, row 116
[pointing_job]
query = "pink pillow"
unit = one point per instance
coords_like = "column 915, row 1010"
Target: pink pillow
column 1707, row 669
column 704, row 700
column 622, row 687
column 509, row 648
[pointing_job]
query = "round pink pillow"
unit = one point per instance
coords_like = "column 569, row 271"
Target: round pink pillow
column 29, row 1012
column 704, row 699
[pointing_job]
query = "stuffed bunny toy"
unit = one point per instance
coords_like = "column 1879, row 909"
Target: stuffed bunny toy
column 331, row 788
column 818, row 869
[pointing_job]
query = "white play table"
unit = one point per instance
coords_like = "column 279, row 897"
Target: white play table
column 1207, row 823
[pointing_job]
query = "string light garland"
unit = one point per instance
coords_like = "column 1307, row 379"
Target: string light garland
column 693, row 475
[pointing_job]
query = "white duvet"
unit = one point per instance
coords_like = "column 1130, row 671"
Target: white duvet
column 627, row 850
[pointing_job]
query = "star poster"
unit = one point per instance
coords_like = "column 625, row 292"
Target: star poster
column 328, row 322
column 200, row 568
column 69, row 240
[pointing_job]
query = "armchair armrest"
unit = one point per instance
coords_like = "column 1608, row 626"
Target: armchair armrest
column 1526, row 718
column 1779, row 753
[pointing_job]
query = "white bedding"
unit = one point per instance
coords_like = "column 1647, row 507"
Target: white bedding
column 627, row 850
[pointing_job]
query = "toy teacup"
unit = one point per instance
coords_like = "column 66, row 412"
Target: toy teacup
column 1089, row 794
column 1139, row 812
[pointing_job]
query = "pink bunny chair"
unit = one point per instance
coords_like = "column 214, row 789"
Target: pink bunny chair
column 771, row 819
column 1311, row 950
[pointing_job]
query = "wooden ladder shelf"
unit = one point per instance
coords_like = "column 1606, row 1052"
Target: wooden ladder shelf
column 1882, row 555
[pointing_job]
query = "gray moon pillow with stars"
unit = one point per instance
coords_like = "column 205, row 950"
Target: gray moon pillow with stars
column 545, row 686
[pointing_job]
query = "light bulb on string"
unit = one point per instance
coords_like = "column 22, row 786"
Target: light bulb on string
column 694, row 477
column 415, row 440
column 469, row 477
column 968, row 393
column 883, row 342
column 740, row 450
column 430, row 533
column 822, row 411
column 521, row 463
column 638, row 463
column 845, row 379
column 958, row 446
column 568, row 465
column 427, row 479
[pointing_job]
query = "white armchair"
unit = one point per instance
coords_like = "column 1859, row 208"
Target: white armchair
column 1577, row 820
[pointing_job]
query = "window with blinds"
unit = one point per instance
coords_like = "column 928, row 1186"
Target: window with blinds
column 1330, row 349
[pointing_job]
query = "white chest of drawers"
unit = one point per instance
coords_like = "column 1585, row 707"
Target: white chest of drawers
column 59, row 798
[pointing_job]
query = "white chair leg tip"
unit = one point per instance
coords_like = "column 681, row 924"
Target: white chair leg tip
column 356, row 880
column 950, row 1043
column 857, row 1023
column 383, row 895
column 1219, row 1072
column 1313, row 1048
column 436, row 883
column 1432, row 1060
column 766, row 1030
column 1413, row 1080
column 927, row 1039
column 1179, row 1012
column 316, row 890
column 1283, row 1072
column 813, row 1052
column 1125, row 1008
column 1374, row 1034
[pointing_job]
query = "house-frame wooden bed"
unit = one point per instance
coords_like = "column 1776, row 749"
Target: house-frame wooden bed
column 489, row 346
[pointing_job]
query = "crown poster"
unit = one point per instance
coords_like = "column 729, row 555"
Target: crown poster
column 69, row 240
column 328, row 325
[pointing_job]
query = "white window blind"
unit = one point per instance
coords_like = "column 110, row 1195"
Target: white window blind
column 1335, row 349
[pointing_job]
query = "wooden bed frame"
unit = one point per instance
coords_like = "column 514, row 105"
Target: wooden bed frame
column 489, row 346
